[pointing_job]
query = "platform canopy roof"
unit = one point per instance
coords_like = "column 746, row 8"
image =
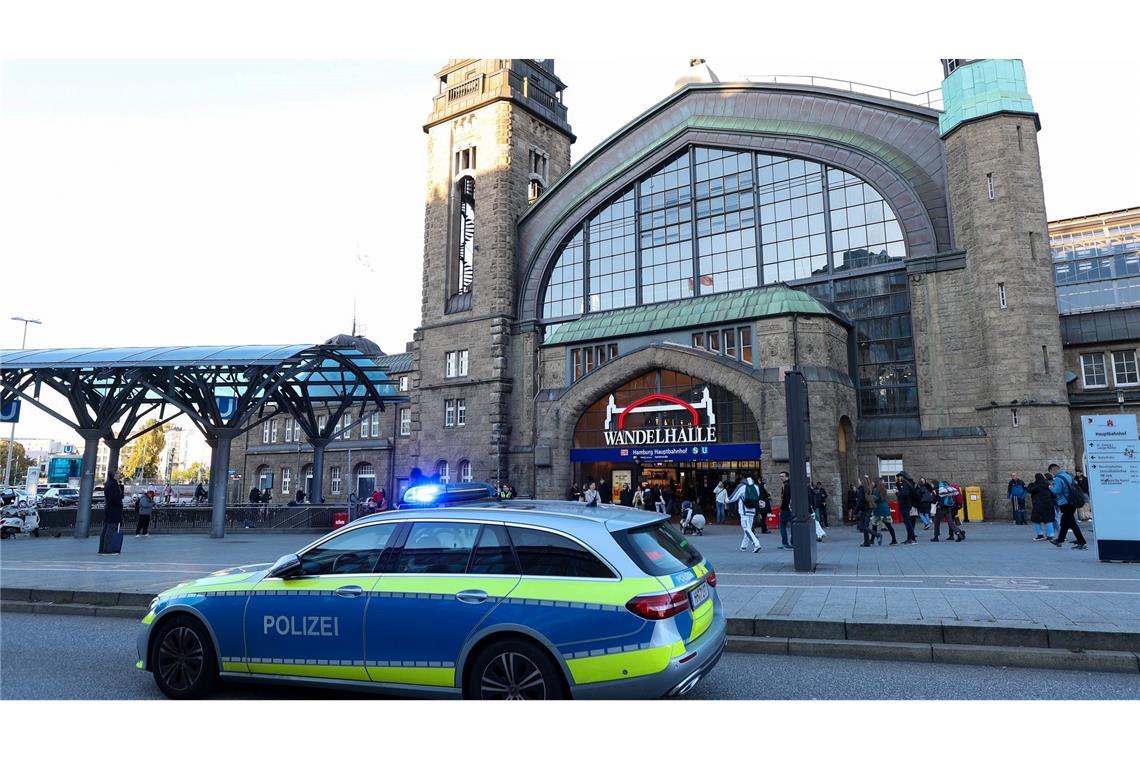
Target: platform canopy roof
column 166, row 356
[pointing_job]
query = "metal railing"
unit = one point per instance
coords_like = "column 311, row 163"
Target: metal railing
column 929, row 99
column 463, row 89
column 197, row 519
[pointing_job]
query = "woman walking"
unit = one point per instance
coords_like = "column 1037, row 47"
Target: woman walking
column 863, row 512
column 882, row 513
column 1043, row 504
column 721, row 494
column 146, row 508
column 926, row 498
column 851, row 505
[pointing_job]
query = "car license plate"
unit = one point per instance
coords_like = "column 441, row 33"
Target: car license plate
column 699, row 595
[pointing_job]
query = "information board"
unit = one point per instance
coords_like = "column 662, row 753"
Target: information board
column 1112, row 456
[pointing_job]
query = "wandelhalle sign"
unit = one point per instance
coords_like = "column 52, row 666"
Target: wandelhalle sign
column 691, row 440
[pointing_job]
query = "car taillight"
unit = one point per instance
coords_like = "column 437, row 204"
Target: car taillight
column 658, row 606
column 711, row 578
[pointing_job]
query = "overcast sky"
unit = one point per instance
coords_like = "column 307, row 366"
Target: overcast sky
column 203, row 202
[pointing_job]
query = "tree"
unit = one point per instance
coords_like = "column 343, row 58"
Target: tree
column 144, row 453
column 192, row 473
column 20, row 461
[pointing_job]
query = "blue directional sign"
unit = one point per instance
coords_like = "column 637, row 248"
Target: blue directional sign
column 227, row 405
column 10, row 412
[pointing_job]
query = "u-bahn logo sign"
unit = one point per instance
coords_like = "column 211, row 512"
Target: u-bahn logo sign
column 617, row 434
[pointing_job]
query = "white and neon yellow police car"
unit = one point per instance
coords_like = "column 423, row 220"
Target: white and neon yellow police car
column 485, row 600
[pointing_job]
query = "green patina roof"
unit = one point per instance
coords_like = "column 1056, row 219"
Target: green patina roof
column 981, row 88
column 757, row 303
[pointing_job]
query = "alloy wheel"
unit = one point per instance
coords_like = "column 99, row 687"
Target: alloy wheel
column 181, row 658
column 512, row 676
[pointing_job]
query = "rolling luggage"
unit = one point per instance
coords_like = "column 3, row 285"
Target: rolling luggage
column 115, row 540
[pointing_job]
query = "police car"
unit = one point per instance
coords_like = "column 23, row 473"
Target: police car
column 477, row 598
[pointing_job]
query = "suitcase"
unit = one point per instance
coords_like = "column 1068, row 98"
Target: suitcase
column 115, row 540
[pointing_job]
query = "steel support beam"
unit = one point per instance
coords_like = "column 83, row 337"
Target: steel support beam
column 87, row 481
column 316, row 495
column 803, row 526
column 219, row 441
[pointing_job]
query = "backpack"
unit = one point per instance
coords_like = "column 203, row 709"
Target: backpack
column 949, row 500
column 751, row 496
column 1074, row 493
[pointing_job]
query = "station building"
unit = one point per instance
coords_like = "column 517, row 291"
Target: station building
column 630, row 317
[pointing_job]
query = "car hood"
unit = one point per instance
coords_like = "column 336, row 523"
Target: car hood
column 233, row 578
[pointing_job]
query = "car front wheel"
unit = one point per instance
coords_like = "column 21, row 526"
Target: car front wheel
column 514, row 669
column 183, row 659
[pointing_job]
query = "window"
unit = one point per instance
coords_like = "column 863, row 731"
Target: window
column 455, row 363
column 533, row 190
column 463, row 265
column 465, row 471
column 990, row 186
column 493, row 553
column 449, row 413
column 365, row 479
column 273, row 431
column 460, row 412
column 286, row 480
column 586, row 359
column 265, row 478
column 347, row 422
column 404, row 383
column 465, row 159
column 1001, row 295
column 613, row 256
column 322, row 423
column 864, row 231
column 442, row 471
column 564, row 289
column 665, row 228
column 437, row 547
column 538, row 161
column 658, row 549
column 334, row 479
column 1013, row 415
column 733, row 342
column 1093, row 371
column 375, row 424
column 289, row 431
column 364, row 425
column 746, row 345
column 351, row 553
column 265, row 432
column 889, row 469
column 405, row 421
column 726, row 220
column 1124, row 370
column 541, row 552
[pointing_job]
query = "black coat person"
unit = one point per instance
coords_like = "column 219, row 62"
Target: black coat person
column 112, row 511
column 1044, row 502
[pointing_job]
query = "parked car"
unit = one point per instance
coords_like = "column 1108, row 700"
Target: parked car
column 16, row 496
column 59, row 497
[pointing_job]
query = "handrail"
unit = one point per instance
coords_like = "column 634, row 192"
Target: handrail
column 929, row 99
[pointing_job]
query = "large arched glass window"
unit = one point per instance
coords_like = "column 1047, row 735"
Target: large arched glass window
column 759, row 219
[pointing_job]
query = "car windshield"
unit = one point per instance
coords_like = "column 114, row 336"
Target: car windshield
column 69, row 492
column 658, row 548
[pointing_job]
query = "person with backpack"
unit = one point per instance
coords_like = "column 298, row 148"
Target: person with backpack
column 926, row 500
column 747, row 496
column 1043, row 507
column 948, row 508
column 1015, row 491
column 1070, row 498
column 907, row 495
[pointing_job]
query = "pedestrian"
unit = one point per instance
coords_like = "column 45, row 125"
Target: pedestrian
column 254, row 495
column 575, row 493
column 417, row 478
column 200, row 494
column 747, row 495
column 927, row 499
column 881, row 513
column 907, row 494
column 785, row 510
column 863, row 512
column 948, row 508
column 1015, row 491
column 146, row 508
column 112, row 511
column 765, row 510
column 1084, row 514
column 720, row 493
column 638, row 501
column 168, row 493
column 1042, row 509
column 300, row 496
column 1068, row 502
column 659, row 502
column 590, row 496
column 821, row 504
column 382, row 502
column 851, row 504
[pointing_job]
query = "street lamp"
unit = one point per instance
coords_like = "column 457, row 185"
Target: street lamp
column 12, row 435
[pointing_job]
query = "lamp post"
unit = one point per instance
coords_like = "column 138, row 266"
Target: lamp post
column 12, row 435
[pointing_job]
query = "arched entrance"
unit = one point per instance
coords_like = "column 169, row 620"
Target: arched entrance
column 669, row 429
column 845, row 437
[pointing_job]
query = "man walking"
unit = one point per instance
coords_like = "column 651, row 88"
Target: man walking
column 747, row 497
column 786, row 515
column 907, row 493
column 199, row 494
column 1068, row 502
column 112, row 511
column 947, row 507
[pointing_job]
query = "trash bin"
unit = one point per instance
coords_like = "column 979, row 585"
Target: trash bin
column 974, row 504
column 896, row 516
column 340, row 519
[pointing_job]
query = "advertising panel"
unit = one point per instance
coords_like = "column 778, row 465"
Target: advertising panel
column 1112, row 456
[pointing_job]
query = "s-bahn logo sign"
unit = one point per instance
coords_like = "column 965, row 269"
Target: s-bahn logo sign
column 617, row 419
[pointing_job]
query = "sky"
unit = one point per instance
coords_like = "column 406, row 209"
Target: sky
column 193, row 202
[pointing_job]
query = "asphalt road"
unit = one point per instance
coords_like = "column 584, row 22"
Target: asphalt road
column 73, row 657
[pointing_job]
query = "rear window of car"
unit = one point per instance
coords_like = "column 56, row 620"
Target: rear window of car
column 658, row 548
column 541, row 552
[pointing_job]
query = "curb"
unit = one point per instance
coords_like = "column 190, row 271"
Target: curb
column 956, row 654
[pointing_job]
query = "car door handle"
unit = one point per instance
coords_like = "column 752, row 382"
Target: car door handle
column 349, row 591
column 472, row 596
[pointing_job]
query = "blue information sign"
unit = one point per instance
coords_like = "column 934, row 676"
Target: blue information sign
column 227, row 405
column 10, row 412
column 673, row 453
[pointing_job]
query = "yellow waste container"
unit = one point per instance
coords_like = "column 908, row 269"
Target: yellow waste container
column 974, row 503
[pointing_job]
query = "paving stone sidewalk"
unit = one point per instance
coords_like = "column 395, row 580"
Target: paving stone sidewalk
column 998, row 576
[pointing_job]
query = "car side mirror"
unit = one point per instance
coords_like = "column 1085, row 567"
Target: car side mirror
column 286, row 567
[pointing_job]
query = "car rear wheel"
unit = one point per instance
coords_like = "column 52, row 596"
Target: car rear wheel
column 183, row 659
column 514, row 669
